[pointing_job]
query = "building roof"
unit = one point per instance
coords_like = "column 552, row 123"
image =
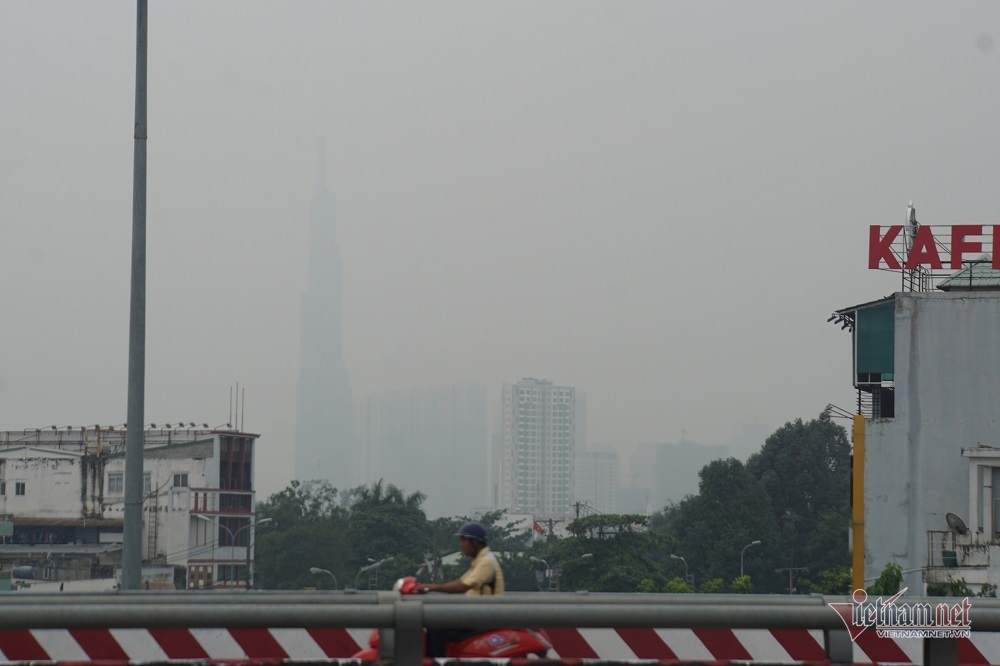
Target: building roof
column 30, row 521
column 50, row 549
column 979, row 274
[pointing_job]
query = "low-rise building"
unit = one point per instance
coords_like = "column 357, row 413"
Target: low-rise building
column 62, row 490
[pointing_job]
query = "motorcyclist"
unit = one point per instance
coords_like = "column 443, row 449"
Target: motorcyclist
column 484, row 578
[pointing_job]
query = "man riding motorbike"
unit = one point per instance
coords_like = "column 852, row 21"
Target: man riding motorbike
column 484, row 578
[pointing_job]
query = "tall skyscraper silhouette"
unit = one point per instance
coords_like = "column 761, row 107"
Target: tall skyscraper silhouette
column 323, row 436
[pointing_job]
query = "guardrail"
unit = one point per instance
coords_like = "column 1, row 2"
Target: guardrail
column 401, row 619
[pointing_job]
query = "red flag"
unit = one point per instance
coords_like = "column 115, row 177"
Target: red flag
column 538, row 528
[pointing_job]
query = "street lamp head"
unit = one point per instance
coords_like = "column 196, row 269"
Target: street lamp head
column 675, row 557
column 755, row 542
column 586, row 555
column 534, row 559
column 316, row 570
column 268, row 520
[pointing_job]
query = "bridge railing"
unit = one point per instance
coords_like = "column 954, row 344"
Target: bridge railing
column 401, row 619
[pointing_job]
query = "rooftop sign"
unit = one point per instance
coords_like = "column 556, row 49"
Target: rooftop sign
column 914, row 246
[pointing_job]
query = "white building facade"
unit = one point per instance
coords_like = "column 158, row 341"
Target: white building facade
column 927, row 369
column 538, row 434
column 64, row 486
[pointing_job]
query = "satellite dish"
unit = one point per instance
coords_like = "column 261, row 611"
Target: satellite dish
column 956, row 523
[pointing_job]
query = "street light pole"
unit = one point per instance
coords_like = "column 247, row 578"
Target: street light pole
column 752, row 543
column 558, row 570
column 316, row 570
column 678, row 557
column 232, row 541
column 548, row 570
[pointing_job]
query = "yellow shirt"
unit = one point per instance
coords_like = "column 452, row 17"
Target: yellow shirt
column 484, row 577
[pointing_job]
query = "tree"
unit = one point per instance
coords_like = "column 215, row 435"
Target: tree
column 309, row 529
column 711, row 528
column 713, row 586
column 805, row 470
column 834, row 581
column 741, row 585
column 888, row 581
column 384, row 522
column 677, row 586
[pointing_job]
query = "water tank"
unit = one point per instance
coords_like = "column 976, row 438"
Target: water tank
column 25, row 571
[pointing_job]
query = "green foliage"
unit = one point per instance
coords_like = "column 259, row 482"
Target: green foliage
column 888, row 582
column 953, row 588
column 836, row 581
column 646, row 585
column 730, row 511
column 713, row 586
column 677, row 586
column 385, row 522
column 792, row 496
column 606, row 525
column 987, row 590
column 741, row 585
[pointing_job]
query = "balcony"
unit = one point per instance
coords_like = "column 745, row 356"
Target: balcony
column 952, row 557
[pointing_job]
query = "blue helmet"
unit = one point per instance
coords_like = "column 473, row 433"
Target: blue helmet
column 473, row 530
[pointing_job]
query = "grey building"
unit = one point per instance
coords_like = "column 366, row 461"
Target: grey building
column 926, row 368
column 432, row 440
column 323, row 439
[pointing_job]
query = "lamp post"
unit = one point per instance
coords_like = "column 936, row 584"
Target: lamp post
column 232, row 540
column 752, row 543
column 374, row 565
column 317, row 570
column 541, row 561
column 558, row 569
column 678, row 557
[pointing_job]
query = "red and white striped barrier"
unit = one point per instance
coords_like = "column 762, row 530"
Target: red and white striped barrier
column 275, row 645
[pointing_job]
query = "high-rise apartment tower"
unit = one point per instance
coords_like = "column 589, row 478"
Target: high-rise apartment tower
column 538, row 431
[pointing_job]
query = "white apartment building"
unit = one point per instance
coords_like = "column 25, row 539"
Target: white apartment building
column 538, row 433
column 67, row 486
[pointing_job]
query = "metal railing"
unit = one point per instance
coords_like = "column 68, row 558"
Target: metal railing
column 401, row 619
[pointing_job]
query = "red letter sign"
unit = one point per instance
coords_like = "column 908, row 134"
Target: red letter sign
column 959, row 245
column 880, row 248
column 924, row 251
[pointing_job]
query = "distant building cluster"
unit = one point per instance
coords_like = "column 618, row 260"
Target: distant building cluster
column 535, row 463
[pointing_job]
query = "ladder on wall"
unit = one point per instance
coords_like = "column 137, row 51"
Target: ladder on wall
column 152, row 510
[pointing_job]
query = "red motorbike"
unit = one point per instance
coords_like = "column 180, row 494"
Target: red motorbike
column 488, row 644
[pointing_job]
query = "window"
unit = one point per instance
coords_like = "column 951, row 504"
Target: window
column 19, row 488
column 180, row 480
column 3, row 487
column 147, row 484
column 116, row 484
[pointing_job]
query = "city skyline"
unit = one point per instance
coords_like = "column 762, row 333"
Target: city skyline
column 660, row 203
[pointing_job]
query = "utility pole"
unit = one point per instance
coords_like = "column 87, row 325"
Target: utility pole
column 791, row 571
column 132, row 528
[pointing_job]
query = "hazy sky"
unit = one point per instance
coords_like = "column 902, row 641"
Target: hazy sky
column 659, row 203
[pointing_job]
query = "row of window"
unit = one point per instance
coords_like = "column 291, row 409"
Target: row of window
column 116, row 483
column 20, row 488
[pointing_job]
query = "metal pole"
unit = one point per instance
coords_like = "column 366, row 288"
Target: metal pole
column 132, row 529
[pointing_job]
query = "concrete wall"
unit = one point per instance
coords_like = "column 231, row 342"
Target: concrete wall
column 53, row 484
column 947, row 383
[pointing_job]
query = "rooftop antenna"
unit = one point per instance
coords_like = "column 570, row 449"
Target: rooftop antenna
column 243, row 408
column 910, row 230
column 230, row 420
